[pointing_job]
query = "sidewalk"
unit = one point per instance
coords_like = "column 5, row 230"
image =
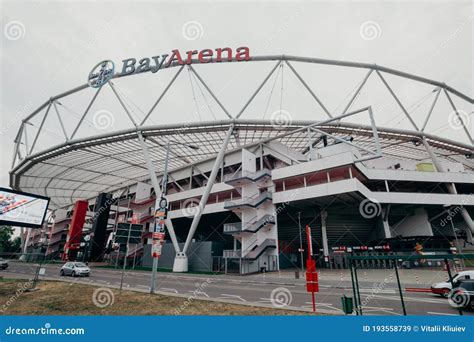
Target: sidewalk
column 418, row 278
column 421, row 278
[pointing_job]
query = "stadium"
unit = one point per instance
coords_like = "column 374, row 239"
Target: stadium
column 378, row 163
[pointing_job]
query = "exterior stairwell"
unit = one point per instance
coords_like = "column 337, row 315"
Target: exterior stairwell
column 256, row 211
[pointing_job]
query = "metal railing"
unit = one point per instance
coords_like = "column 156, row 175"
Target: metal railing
column 232, row 227
column 250, row 247
column 252, row 226
column 253, row 176
column 253, row 254
column 252, row 201
column 230, row 253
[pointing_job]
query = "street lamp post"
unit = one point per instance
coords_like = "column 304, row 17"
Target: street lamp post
column 301, row 241
column 458, row 245
column 164, row 185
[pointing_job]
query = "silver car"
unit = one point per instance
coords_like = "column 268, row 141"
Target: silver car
column 75, row 269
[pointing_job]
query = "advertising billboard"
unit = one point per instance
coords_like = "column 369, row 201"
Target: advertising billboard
column 22, row 209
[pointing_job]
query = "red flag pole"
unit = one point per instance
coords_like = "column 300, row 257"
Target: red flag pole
column 310, row 266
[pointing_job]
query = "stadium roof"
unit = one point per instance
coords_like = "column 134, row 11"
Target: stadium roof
column 82, row 166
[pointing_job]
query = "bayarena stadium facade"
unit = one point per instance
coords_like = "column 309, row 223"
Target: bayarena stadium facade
column 232, row 155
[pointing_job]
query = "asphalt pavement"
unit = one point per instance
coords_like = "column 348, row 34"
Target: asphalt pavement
column 378, row 290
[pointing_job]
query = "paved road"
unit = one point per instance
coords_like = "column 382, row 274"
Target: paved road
column 379, row 298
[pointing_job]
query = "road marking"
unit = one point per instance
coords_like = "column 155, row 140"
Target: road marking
column 143, row 286
column 329, row 306
column 199, row 293
column 232, row 296
column 376, row 291
column 369, row 308
column 317, row 303
column 165, row 289
column 265, row 300
column 386, row 311
column 412, row 299
column 441, row 313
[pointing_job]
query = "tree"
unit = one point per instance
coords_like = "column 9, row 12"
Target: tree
column 7, row 245
column 16, row 245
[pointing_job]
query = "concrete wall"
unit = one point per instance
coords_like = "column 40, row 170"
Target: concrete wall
column 199, row 255
column 414, row 225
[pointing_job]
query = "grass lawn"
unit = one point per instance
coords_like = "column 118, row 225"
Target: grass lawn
column 61, row 298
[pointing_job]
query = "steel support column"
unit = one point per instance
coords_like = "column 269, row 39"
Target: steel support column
column 324, row 215
column 161, row 96
column 40, row 128
column 398, row 101
column 459, row 117
column 85, row 113
column 257, row 90
column 452, row 190
column 431, row 109
column 308, row 89
column 210, row 92
column 156, row 186
column 122, row 103
column 181, row 260
column 349, row 104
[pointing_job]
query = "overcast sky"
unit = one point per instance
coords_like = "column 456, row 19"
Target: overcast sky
column 49, row 47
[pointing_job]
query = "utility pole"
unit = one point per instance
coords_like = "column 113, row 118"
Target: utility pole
column 156, row 186
column 164, row 184
column 126, row 254
column 458, row 245
column 301, row 241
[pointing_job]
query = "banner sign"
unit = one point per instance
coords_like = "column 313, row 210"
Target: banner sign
column 22, row 209
column 157, row 244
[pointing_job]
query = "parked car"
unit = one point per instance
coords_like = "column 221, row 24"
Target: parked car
column 443, row 288
column 75, row 269
column 462, row 295
column 3, row 264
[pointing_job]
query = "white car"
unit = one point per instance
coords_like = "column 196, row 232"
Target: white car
column 75, row 269
column 444, row 287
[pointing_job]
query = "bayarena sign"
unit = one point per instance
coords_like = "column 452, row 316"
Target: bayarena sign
column 104, row 71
